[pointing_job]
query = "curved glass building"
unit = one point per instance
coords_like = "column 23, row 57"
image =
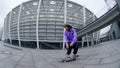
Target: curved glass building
column 39, row 23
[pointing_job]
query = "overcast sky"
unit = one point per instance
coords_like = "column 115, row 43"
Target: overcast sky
column 7, row 5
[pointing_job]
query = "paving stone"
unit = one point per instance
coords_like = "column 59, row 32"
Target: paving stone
column 3, row 56
column 110, row 59
column 10, row 61
column 94, row 61
column 112, row 65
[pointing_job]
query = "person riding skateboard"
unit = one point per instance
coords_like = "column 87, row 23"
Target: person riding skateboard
column 70, row 38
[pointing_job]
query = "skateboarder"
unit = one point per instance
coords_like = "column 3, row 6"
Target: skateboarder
column 70, row 40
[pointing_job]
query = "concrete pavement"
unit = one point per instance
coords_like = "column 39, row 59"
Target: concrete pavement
column 104, row 55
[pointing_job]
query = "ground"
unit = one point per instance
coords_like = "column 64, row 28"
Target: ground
column 104, row 55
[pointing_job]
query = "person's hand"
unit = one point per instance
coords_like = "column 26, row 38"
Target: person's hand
column 71, row 44
column 67, row 47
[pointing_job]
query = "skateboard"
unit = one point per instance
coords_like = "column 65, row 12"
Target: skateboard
column 70, row 59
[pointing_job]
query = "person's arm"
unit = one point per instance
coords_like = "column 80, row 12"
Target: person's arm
column 65, row 38
column 75, row 37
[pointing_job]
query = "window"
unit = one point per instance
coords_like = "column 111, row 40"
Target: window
column 42, row 15
column 90, row 15
column 52, row 2
column 61, row 16
column 32, row 17
column 14, row 12
column 34, row 3
column 76, row 14
column 51, row 9
column 81, row 10
column 51, row 15
column 70, row 18
column 23, row 7
column 70, row 5
column 27, row 12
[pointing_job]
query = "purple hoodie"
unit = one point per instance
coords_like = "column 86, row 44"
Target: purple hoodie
column 70, row 36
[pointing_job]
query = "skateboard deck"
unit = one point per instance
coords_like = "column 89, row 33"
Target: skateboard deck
column 70, row 59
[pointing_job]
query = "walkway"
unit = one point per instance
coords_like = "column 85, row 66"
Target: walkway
column 104, row 55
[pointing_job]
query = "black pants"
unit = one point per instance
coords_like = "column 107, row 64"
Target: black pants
column 74, row 47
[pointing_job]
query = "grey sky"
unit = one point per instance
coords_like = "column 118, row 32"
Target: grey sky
column 7, row 5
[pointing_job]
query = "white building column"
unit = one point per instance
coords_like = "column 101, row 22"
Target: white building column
column 84, row 24
column 87, row 36
column 83, row 42
column 93, row 34
column 10, row 27
column 92, row 41
column 98, row 38
column 65, row 20
column 5, row 29
column 18, row 25
column 37, row 24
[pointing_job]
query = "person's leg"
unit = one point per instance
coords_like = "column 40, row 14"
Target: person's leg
column 69, row 50
column 75, row 47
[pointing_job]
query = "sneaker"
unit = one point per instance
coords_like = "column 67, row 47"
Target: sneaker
column 67, row 56
column 75, row 55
